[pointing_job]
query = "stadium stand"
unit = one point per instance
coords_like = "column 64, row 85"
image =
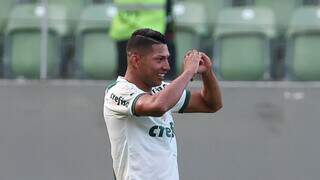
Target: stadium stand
column 5, row 7
column 211, row 9
column 303, row 46
column 242, row 49
column 236, row 3
column 190, row 19
column 76, row 36
column 27, row 1
column 95, row 51
column 310, row 2
column 73, row 8
column 283, row 11
column 23, row 40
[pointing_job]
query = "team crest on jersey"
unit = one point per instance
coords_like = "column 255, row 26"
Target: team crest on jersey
column 119, row 100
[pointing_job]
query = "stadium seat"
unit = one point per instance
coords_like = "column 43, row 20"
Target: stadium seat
column 211, row 9
column 242, row 49
column 73, row 8
column 23, row 40
column 5, row 7
column 239, row 3
column 282, row 9
column 191, row 22
column 303, row 57
column 310, row 2
column 95, row 50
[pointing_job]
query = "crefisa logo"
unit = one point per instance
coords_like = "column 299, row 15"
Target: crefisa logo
column 119, row 100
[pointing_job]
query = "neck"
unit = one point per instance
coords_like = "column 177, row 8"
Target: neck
column 136, row 80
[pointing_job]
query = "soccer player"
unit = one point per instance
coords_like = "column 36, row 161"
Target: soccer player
column 138, row 107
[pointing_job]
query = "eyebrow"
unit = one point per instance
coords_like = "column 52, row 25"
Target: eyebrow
column 161, row 56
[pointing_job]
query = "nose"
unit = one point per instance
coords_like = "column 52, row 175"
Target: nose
column 166, row 65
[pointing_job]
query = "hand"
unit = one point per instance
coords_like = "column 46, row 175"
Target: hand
column 191, row 61
column 205, row 63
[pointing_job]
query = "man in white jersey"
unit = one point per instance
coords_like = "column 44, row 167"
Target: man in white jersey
column 138, row 107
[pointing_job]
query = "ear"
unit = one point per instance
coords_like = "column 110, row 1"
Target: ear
column 135, row 59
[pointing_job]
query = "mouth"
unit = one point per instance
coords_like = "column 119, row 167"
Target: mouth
column 161, row 76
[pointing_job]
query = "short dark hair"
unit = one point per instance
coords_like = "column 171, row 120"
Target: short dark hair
column 144, row 38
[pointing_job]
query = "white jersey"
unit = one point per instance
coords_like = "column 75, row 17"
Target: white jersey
column 142, row 147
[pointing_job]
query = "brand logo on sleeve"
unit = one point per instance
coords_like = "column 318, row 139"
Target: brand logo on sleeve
column 158, row 89
column 119, row 100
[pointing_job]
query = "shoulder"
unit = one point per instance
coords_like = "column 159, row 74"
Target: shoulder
column 120, row 96
column 111, row 84
column 122, row 87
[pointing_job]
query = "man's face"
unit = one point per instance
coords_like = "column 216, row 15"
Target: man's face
column 155, row 65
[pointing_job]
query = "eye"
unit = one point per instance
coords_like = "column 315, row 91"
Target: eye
column 160, row 59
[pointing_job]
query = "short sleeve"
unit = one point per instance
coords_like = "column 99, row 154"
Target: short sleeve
column 182, row 103
column 121, row 98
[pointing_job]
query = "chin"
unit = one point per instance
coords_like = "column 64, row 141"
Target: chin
column 156, row 83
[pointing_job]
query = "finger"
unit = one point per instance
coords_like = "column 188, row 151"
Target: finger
column 188, row 53
column 205, row 57
column 201, row 62
column 196, row 58
column 193, row 52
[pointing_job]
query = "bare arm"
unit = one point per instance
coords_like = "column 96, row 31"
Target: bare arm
column 158, row 104
column 209, row 98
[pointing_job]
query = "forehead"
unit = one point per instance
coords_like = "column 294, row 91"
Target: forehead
column 160, row 49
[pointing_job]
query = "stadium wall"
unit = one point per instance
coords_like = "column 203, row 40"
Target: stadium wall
column 266, row 130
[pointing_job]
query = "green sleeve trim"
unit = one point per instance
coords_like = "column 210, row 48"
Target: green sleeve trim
column 186, row 102
column 109, row 86
column 134, row 104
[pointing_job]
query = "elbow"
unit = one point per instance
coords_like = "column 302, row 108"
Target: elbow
column 216, row 107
